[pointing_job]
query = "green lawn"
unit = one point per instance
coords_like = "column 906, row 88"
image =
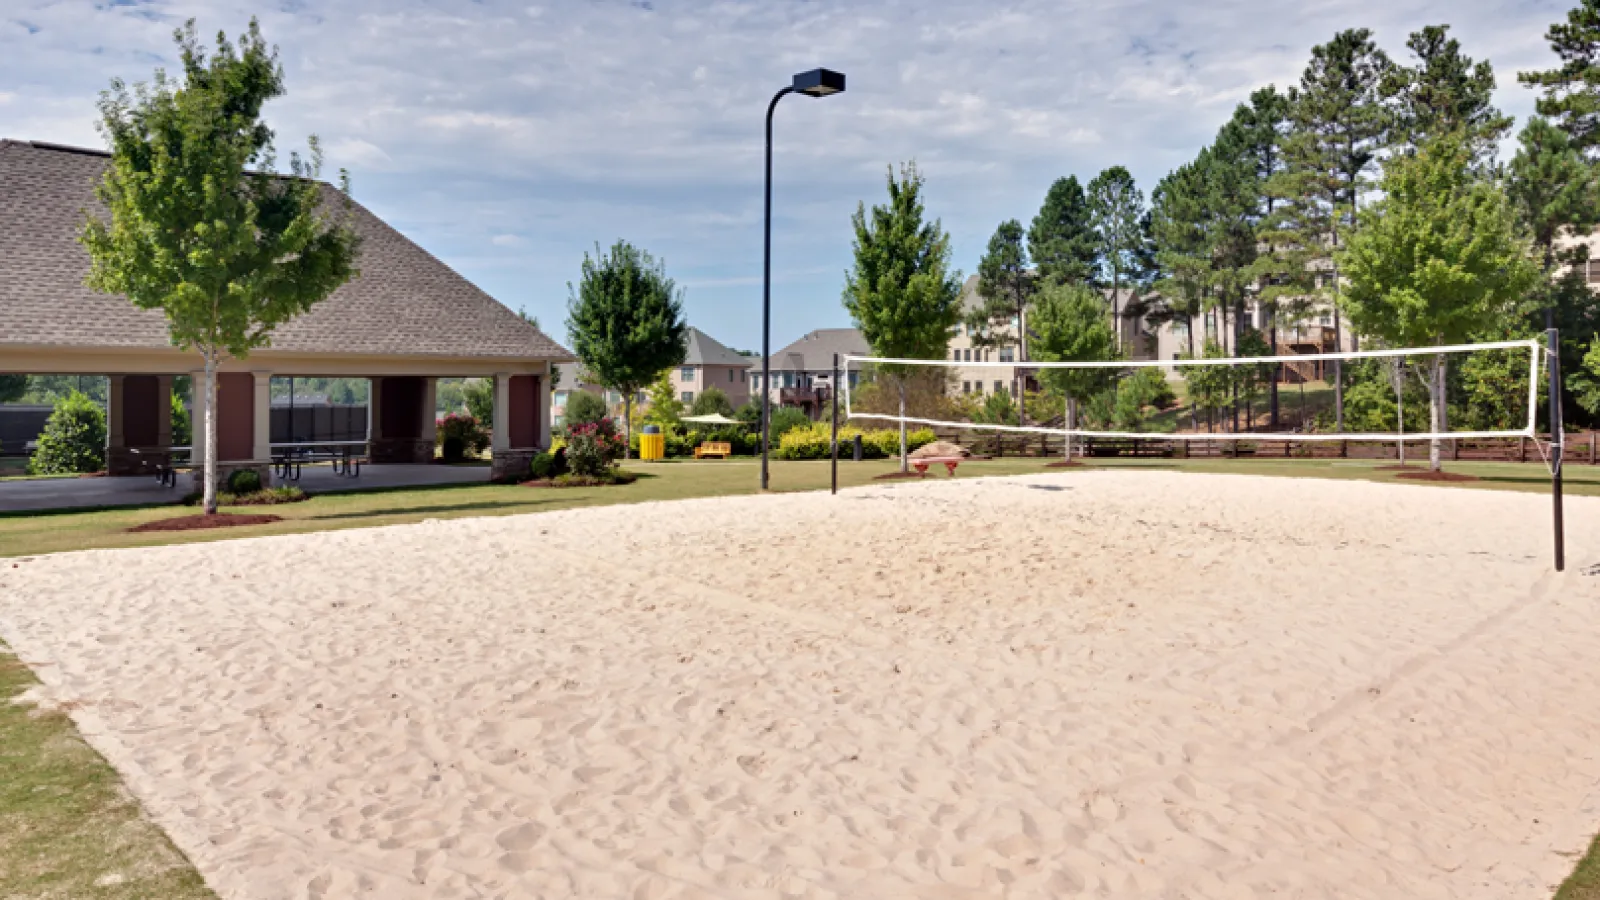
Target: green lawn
column 1584, row 883
column 67, row 827
column 47, row 532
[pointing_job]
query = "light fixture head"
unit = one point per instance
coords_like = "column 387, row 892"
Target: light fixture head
column 819, row 83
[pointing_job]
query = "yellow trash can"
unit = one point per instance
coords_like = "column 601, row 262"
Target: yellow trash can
column 652, row 446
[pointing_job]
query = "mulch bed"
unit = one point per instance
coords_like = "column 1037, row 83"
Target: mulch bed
column 1408, row 467
column 1430, row 475
column 894, row 475
column 196, row 523
column 572, row 481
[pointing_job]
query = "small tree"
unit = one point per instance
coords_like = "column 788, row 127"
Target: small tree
column 74, row 438
column 1435, row 262
column 1005, row 287
column 1070, row 325
column 227, row 254
column 583, row 406
column 665, row 407
column 1208, row 386
column 477, row 394
column 625, row 317
column 900, row 291
column 182, row 430
column 711, row 401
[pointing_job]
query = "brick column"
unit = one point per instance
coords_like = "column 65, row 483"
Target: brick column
column 430, row 412
column 117, row 462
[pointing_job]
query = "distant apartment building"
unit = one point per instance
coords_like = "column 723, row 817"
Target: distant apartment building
column 709, row 364
column 802, row 371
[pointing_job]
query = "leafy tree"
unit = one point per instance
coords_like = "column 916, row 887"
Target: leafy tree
column 625, row 318
column 584, row 407
column 12, row 387
column 1338, row 124
column 1208, row 386
column 226, row 253
column 1279, row 271
column 665, row 408
column 785, row 419
column 1116, row 206
column 73, row 440
column 711, row 401
column 1062, row 240
column 1572, row 90
column 1585, row 381
column 478, row 396
column 1436, row 261
column 1444, row 92
column 1069, row 325
column 1005, row 287
column 900, row 292
column 1145, row 389
column 182, row 428
column 997, row 409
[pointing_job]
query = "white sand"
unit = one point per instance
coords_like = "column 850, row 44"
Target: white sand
column 1090, row 684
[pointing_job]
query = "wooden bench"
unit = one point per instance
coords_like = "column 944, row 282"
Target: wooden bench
column 718, row 449
column 950, row 463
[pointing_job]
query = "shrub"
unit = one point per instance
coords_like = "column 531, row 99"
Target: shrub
column 549, row 464
column 584, row 407
column 74, row 438
column 244, row 481
column 888, row 441
column 811, row 442
column 594, row 447
column 785, row 418
column 459, row 435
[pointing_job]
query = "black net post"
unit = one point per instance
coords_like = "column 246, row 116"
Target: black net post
column 834, row 444
column 1557, row 439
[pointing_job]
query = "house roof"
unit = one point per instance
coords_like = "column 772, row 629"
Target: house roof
column 405, row 302
column 814, row 352
column 701, row 349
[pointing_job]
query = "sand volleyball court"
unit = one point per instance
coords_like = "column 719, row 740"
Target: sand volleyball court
column 1097, row 684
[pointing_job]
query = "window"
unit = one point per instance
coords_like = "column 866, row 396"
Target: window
column 742, row 374
column 688, row 396
column 561, row 398
column 686, row 373
column 977, row 387
column 730, row 376
column 1007, row 354
column 968, row 354
column 955, row 354
column 1592, row 276
column 999, row 386
column 966, row 387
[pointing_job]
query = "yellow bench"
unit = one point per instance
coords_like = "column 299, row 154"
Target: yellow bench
column 719, row 449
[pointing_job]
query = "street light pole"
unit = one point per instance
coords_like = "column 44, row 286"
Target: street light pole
column 815, row 83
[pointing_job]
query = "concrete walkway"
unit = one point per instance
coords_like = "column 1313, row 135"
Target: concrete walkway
column 80, row 493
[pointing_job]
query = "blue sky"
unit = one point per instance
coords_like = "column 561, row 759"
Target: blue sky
column 509, row 137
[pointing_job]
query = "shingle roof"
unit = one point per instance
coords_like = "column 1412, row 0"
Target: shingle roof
column 814, row 352
column 701, row 349
column 406, row 302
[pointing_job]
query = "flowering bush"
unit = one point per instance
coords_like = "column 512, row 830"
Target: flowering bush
column 594, row 447
column 459, row 435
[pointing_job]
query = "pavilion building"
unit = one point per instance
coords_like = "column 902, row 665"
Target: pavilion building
column 405, row 321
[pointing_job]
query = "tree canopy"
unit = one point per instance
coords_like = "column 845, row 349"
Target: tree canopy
column 1061, row 240
column 200, row 224
column 625, row 320
column 1572, row 90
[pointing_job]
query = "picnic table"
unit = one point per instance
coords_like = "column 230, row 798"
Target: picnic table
column 163, row 462
column 950, row 463
column 346, row 457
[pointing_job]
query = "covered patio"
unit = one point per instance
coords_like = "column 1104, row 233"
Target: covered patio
column 405, row 322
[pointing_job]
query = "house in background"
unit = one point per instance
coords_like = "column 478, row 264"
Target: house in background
column 709, row 364
column 801, row 372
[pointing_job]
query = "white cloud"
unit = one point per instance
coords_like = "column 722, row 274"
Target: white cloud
column 569, row 123
column 507, row 240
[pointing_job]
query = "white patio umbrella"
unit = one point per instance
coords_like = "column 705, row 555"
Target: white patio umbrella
column 712, row 419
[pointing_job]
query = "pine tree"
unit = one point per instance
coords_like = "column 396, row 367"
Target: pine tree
column 1572, row 91
column 1061, row 240
column 1338, row 124
column 900, row 290
column 1444, row 92
column 1116, row 206
column 1069, row 325
column 1005, row 288
column 1279, row 271
column 1177, row 224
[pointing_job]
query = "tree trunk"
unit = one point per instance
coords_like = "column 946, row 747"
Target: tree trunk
column 1277, row 370
column 627, row 425
column 209, row 470
column 1072, row 422
column 905, row 462
column 1436, row 412
column 1338, row 372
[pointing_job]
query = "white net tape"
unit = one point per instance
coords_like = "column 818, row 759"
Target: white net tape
column 1534, row 347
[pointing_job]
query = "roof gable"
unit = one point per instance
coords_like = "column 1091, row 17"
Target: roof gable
column 404, row 303
column 701, row 349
